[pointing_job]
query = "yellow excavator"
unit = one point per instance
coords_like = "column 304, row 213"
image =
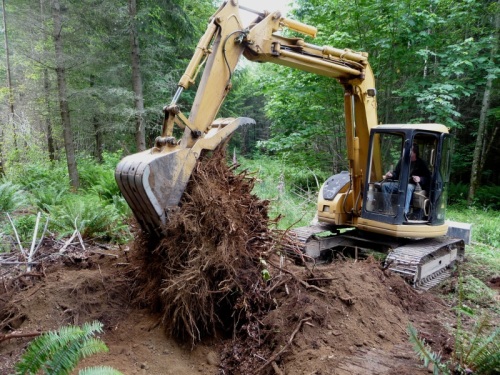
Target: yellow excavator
column 399, row 216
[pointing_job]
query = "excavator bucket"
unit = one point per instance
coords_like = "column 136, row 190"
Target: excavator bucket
column 153, row 181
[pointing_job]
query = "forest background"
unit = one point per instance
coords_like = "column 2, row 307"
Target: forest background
column 87, row 80
column 83, row 83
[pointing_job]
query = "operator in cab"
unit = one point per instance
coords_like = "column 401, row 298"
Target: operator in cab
column 419, row 176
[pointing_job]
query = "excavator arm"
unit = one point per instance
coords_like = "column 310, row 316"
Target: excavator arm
column 154, row 180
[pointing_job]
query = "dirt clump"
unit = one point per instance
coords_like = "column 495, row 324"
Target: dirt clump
column 215, row 295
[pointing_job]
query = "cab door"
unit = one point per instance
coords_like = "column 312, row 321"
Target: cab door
column 440, row 181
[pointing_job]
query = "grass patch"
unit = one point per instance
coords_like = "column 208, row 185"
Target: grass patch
column 483, row 255
column 275, row 183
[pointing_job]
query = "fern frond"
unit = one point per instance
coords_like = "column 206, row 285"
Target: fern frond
column 91, row 328
column 92, row 217
column 11, row 196
column 44, row 347
column 99, row 370
column 488, row 364
column 425, row 353
column 485, row 356
column 58, row 352
column 93, row 346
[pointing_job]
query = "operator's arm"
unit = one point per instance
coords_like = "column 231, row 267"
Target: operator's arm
column 393, row 174
column 421, row 174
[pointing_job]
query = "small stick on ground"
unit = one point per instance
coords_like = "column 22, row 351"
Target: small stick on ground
column 18, row 335
column 302, row 282
column 290, row 340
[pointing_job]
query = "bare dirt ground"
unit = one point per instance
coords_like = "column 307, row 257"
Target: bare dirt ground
column 198, row 302
column 357, row 327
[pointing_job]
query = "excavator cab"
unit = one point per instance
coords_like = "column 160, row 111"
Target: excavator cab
column 399, row 198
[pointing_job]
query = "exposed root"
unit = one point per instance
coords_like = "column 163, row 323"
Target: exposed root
column 204, row 275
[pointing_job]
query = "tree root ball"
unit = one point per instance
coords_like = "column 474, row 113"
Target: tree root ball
column 204, row 275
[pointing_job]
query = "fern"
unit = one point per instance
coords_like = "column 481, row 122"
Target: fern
column 11, row 196
column 58, row 352
column 482, row 352
column 50, row 194
column 479, row 350
column 93, row 218
column 425, row 353
column 99, row 370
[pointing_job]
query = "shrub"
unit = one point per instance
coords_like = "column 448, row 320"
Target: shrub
column 11, row 196
column 34, row 175
column 93, row 218
column 457, row 194
column 47, row 195
column 486, row 196
column 25, row 225
column 99, row 178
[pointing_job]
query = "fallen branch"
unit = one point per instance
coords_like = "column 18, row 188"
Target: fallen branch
column 290, row 340
column 19, row 335
column 17, row 263
column 17, row 236
column 42, row 236
column 277, row 370
column 104, row 253
column 302, row 282
column 68, row 242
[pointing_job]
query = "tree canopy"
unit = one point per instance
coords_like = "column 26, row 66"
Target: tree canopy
column 434, row 61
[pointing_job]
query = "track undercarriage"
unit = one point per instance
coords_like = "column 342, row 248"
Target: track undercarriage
column 423, row 263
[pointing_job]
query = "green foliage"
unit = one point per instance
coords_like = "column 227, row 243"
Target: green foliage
column 483, row 352
column 58, row 352
column 93, row 218
column 485, row 223
column 475, row 352
column 275, row 181
column 100, row 178
column 245, row 101
column 426, row 354
column 476, row 292
column 99, row 370
column 49, row 194
column 99, row 211
column 25, row 225
column 486, row 197
column 457, row 194
column 11, row 197
column 307, row 122
column 35, row 174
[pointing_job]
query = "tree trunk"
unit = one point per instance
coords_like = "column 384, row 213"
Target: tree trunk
column 479, row 156
column 48, row 123
column 46, row 93
column 99, row 143
column 2, row 172
column 98, row 130
column 9, row 80
column 140, row 138
column 63, row 100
